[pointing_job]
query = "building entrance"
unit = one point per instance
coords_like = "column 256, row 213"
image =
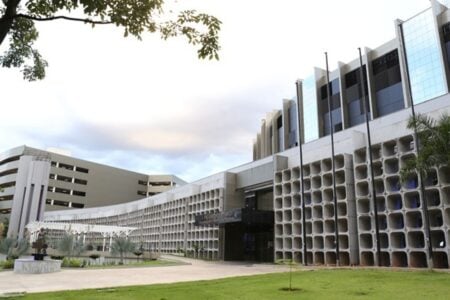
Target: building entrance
column 251, row 239
column 248, row 231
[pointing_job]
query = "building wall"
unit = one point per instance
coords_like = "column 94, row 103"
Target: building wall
column 102, row 185
column 72, row 183
column 165, row 221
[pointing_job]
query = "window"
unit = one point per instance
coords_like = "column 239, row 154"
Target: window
column 64, row 178
column 77, row 205
column 310, row 114
column 79, row 193
column 158, row 183
column 52, row 176
column 82, row 170
column 142, row 182
column 387, row 83
column 7, row 185
column 5, row 161
column 142, row 193
column 422, row 47
column 62, row 191
column 80, row 181
column 66, row 166
column 355, row 105
column 8, row 172
column 335, row 106
column 7, row 197
column 60, row 203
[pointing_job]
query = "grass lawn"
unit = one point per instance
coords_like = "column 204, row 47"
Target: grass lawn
column 322, row 284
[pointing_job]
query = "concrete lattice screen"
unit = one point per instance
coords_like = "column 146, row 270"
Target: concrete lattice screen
column 169, row 227
column 319, row 211
column 400, row 214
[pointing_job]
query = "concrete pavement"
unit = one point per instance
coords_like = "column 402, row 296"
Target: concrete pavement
column 74, row 279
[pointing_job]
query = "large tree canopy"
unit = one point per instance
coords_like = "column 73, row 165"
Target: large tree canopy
column 18, row 19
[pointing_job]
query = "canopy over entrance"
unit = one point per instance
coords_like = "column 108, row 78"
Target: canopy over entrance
column 78, row 229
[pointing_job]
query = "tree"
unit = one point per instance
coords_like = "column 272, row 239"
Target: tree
column 69, row 246
column 13, row 248
column 122, row 246
column 5, row 228
column 434, row 138
column 291, row 263
column 134, row 16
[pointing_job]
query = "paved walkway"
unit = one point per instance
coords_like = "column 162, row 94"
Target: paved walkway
column 75, row 279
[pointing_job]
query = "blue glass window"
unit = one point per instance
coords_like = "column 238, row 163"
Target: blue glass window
column 310, row 115
column 426, row 72
column 335, row 107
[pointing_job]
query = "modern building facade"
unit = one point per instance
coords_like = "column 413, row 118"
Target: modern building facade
column 34, row 181
column 411, row 68
column 257, row 211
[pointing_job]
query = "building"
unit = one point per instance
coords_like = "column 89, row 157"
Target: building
column 414, row 66
column 34, row 181
column 255, row 211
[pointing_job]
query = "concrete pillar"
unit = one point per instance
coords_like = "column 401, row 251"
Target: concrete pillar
column 30, row 194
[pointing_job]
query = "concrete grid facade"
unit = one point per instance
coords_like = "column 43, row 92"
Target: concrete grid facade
column 169, row 221
column 165, row 222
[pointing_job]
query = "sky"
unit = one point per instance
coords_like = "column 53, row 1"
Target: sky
column 152, row 106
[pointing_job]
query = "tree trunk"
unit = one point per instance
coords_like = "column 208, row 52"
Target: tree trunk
column 7, row 19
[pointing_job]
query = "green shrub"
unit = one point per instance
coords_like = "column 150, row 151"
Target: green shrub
column 7, row 264
column 72, row 263
column 58, row 257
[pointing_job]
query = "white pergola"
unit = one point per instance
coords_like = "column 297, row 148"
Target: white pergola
column 79, row 229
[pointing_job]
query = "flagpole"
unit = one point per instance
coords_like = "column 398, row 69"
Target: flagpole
column 302, row 187
column 336, row 226
column 369, row 147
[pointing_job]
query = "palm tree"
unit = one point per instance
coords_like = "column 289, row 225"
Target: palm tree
column 121, row 246
column 434, row 138
column 69, row 246
column 13, row 248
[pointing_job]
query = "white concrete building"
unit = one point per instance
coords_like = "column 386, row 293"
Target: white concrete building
column 257, row 211
column 34, row 181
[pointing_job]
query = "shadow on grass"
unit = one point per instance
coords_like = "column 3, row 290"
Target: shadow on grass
column 287, row 289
